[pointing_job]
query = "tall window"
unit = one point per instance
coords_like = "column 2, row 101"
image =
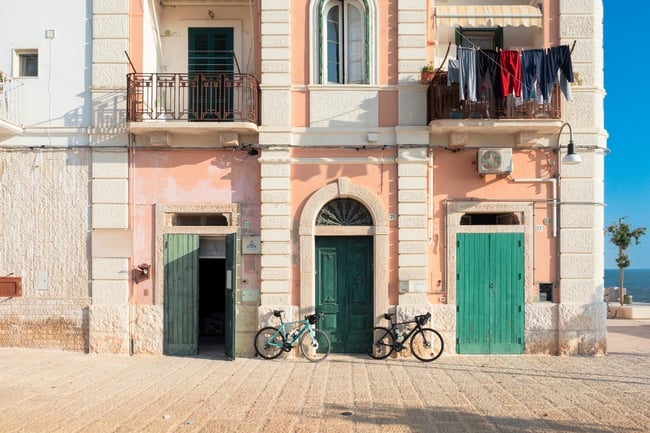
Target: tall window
column 343, row 52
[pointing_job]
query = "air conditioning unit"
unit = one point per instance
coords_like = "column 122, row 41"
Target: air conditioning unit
column 494, row 160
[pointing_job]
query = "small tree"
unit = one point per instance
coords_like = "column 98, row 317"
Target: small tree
column 621, row 235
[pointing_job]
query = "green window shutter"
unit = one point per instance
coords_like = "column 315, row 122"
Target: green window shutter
column 498, row 38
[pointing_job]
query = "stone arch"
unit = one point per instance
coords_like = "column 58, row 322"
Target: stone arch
column 308, row 230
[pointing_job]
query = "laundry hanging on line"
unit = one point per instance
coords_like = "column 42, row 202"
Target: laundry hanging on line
column 531, row 74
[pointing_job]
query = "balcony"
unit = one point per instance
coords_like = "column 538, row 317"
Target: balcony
column 456, row 123
column 192, row 102
column 443, row 102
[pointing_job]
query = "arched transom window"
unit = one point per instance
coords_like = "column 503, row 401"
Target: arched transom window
column 344, row 212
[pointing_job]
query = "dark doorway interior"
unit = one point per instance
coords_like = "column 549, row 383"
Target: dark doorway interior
column 212, row 306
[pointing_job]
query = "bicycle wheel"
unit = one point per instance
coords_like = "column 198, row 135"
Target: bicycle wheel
column 427, row 344
column 381, row 340
column 269, row 342
column 315, row 348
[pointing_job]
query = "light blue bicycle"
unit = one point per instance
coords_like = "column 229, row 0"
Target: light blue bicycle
column 271, row 341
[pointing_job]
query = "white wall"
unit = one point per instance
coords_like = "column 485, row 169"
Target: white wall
column 59, row 95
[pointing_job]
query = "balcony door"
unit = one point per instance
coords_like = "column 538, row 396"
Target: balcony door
column 210, row 70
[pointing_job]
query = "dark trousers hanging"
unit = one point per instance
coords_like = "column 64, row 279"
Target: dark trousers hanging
column 487, row 64
column 559, row 58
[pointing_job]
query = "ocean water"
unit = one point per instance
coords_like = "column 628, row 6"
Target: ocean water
column 636, row 281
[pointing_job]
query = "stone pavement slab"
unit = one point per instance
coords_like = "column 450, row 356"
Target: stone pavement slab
column 55, row 391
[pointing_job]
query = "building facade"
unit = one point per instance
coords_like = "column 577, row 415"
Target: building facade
column 175, row 170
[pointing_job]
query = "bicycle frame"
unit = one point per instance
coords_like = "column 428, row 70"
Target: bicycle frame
column 271, row 341
column 404, row 336
column 426, row 344
column 291, row 332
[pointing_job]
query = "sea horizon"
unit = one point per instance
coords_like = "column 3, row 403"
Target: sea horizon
column 628, row 269
column 635, row 280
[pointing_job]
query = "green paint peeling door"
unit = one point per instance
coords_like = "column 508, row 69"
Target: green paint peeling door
column 229, row 325
column 490, row 293
column 181, row 300
column 344, row 289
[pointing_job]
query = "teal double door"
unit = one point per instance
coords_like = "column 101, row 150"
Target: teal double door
column 344, row 290
column 490, row 293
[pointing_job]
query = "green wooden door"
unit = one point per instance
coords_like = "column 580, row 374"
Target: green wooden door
column 181, row 294
column 210, row 68
column 490, row 293
column 231, row 265
column 344, row 288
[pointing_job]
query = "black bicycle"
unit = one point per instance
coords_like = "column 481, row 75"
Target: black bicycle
column 426, row 344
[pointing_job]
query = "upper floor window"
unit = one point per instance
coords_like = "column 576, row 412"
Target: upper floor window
column 483, row 38
column 26, row 62
column 343, row 43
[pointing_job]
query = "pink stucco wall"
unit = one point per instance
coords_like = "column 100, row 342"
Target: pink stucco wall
column 190, row 177
column 378, row 179
column 456, row 178
column 386, row 59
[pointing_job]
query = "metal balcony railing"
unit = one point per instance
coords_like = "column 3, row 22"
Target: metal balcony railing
column 10, row 101
column 195, row 97
column 443, row 102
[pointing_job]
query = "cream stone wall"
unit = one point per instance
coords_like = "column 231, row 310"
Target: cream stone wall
column 44, row 232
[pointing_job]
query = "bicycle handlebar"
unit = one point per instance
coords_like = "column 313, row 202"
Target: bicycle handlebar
column 420, row 319
column 313, row 318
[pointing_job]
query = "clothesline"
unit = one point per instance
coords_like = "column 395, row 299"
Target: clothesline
column 510, row 71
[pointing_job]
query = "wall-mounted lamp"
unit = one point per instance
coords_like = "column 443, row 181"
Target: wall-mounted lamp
column 141, row 272
column 571, row 156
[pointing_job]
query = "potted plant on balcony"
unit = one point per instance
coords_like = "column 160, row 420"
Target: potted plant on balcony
column 427, row 72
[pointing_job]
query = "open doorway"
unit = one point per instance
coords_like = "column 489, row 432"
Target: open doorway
column 212, row 304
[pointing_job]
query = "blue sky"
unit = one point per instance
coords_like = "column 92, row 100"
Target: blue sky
column 627, row 115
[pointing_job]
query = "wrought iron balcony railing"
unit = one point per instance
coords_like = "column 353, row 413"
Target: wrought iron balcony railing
column 194, row 97
column 443, row 102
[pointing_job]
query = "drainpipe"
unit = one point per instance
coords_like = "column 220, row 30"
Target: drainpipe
column 131, row 192
column 430, row 193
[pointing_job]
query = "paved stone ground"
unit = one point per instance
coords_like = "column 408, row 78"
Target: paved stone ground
column 55, row 391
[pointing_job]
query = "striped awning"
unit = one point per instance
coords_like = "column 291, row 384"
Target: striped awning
column 488, row 16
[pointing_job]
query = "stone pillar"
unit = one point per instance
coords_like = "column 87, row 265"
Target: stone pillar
column 111, row 249
column 412, row 55
column 413, row 196
column 582, row 319
column 274, row 137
